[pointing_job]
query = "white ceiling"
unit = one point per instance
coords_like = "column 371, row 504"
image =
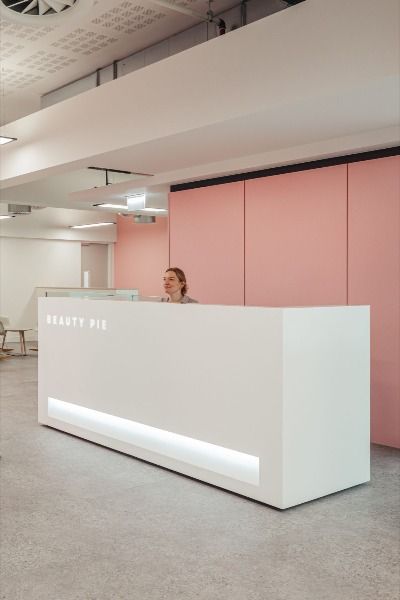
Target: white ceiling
column 39, row 55
column 317, row 88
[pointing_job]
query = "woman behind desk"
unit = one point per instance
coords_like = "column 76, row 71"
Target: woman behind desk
column 175, row 287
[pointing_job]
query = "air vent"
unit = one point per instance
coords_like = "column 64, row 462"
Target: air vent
column 43, row 12
column 38, row 7
column 145, row 219
column 19, row 209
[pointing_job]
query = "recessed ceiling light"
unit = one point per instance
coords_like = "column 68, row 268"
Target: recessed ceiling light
column 6, row 140
column 136, row 201
column 128, row 209
column 91, row 225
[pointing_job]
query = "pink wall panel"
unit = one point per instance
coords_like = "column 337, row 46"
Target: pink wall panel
column 141, row 255
column 296, row 238
column 374, row 278
column 207, row 241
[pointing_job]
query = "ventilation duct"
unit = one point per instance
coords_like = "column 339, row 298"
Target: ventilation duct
column 145, row 219
column 19, row 209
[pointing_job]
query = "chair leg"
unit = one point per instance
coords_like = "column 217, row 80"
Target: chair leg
column 22, row 342
column 4, row 340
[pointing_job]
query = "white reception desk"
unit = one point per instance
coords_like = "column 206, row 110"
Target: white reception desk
column 271, row 403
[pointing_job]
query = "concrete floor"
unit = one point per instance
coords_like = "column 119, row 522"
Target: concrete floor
column 81, row 522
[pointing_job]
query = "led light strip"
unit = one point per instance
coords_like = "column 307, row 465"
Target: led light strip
column 230, row 463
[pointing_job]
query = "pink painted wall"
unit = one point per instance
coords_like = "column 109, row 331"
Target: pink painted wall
column 308, row 239
column 141, row 255
column 374, row 278
column 207, row 241
column 296, row 238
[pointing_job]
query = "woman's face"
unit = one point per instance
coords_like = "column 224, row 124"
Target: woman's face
column 172, row 283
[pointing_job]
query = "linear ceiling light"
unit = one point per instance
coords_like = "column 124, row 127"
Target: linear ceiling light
column 91, row 225
column 107, row 205
column 6, row 217
column 148, row 209
column 127, row 208
column 6, row 140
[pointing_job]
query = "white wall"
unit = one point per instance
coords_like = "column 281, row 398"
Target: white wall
column 40, row 250
column 29, row 263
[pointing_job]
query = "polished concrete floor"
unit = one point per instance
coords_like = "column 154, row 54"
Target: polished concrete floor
column 81, row 522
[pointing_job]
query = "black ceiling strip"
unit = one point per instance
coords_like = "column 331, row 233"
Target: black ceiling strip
column 314, row 164
column 111, row 170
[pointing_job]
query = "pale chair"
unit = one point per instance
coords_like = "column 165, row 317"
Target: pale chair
column 3, row 333
column 20, row 330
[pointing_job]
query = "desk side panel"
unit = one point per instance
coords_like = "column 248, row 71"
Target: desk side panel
column 326, row 400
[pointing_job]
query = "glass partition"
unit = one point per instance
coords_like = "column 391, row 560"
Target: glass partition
column 131, row 295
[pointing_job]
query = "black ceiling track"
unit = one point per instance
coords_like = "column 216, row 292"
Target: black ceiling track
column 305, row 166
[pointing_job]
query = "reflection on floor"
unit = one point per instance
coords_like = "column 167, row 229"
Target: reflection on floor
column 81, row 522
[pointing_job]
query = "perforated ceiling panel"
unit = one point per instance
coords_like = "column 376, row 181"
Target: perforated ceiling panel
column 184, row 3
column 10, row 29
column 8, row 49
column 14, row 79
column 84, row 41
column 29, row 53
column 126, row 18
column 44, row 53
column 48, row 62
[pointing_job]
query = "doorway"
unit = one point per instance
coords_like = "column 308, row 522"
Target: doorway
column 94, row 265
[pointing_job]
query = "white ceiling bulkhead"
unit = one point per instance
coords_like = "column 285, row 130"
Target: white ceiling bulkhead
column 278, row 91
